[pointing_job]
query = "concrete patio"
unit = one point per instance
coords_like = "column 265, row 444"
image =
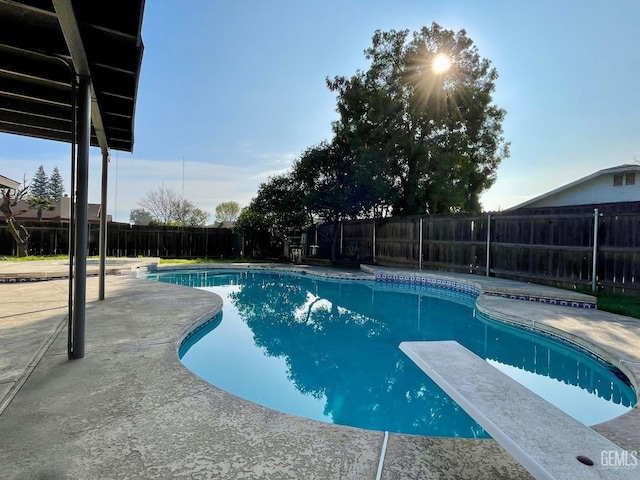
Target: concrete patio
column 130, row 409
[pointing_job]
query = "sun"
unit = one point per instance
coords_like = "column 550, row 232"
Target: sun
column 441, row 63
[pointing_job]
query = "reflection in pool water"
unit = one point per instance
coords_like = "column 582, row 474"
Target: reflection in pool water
column 328, row 350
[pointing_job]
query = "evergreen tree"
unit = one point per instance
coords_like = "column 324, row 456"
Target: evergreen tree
column 56, row 186
column 40, row 184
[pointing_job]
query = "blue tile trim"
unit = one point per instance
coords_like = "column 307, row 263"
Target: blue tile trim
column 460, row 296
column 548, row 300
column 428, row 281
column 197, row 329
column 38, row 279
column 413, row 279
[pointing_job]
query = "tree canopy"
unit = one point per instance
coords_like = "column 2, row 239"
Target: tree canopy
column 139, row 216
column 430, row 139
column 167, row 207
column 56, row 185
column 417, row 133
column 40, row 184
column 40, row 204
column 227, row 211
column 277, row 207
column 48, row 188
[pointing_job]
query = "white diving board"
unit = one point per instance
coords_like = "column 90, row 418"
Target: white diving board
column 544, row 439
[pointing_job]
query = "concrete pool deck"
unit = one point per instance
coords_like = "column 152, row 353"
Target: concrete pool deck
column 130, row 409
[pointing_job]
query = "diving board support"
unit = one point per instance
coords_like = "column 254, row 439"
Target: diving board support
column 544, row 439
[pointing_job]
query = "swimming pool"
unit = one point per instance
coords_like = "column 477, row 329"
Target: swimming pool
column 328, row 350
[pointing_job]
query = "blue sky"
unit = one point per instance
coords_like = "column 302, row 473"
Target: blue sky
column 232, row 92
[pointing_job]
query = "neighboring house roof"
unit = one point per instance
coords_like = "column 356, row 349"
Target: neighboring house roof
column 8, row 183
column 561, row 193
column 59, row 213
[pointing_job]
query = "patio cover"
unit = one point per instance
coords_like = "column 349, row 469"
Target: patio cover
column 69, row 72
column 101, row 38
column 8, row 183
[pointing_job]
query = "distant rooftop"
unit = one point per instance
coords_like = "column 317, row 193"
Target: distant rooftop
column 627, row 167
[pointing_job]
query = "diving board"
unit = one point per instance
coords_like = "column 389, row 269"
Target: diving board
column 544, row 439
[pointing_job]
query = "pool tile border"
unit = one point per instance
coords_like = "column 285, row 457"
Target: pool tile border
column 550, row 300
column 474, row 289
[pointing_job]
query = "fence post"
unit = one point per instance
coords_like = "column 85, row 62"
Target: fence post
column 420, row 251
column 488, row 243
column 594, row 272
column 373, row 256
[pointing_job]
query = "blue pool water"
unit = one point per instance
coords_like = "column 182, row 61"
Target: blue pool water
column 328, row 350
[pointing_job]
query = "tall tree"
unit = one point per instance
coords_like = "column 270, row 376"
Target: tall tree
column 9, row 199
column 278, row 206
column 334, row 187
column 163, row 204
column 188, row 215
column 169, row 208
column 281, row 201
column 430, row 137
column 40, row 184
column 227, row 211
column 139, row 216
column 256, row 229
column 56, row 186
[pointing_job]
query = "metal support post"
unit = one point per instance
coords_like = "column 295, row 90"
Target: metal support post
column 488, row 271
column 594, row 273
column 374, row 241
column 420, row 249
column 103, row 224
column 76, row 349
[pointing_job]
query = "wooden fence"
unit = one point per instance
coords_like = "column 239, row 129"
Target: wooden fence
column 560, row 249
column 124, row 240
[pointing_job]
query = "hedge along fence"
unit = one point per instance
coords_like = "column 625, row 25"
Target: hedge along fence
column 562, row 250
column 124, row 240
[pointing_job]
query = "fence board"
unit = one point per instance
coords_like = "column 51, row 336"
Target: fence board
column 555, row 249
column 124, row 240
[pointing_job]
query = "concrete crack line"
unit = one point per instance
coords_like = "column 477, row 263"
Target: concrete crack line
column 32, row 366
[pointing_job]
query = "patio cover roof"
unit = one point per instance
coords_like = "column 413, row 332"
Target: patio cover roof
column 8, row 183
column 100, row 38
column 69, row 71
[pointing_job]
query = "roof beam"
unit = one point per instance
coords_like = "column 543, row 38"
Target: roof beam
column 71, row 32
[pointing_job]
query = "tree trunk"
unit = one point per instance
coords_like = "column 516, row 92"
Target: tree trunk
column 18, row 232
column 21, row 237
column 334, row 243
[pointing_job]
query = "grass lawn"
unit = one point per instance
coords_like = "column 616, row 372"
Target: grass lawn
column 620, row 304
column 218, row 260
column 30, row 258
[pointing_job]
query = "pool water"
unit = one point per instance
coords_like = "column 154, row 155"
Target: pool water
column 328, row 350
